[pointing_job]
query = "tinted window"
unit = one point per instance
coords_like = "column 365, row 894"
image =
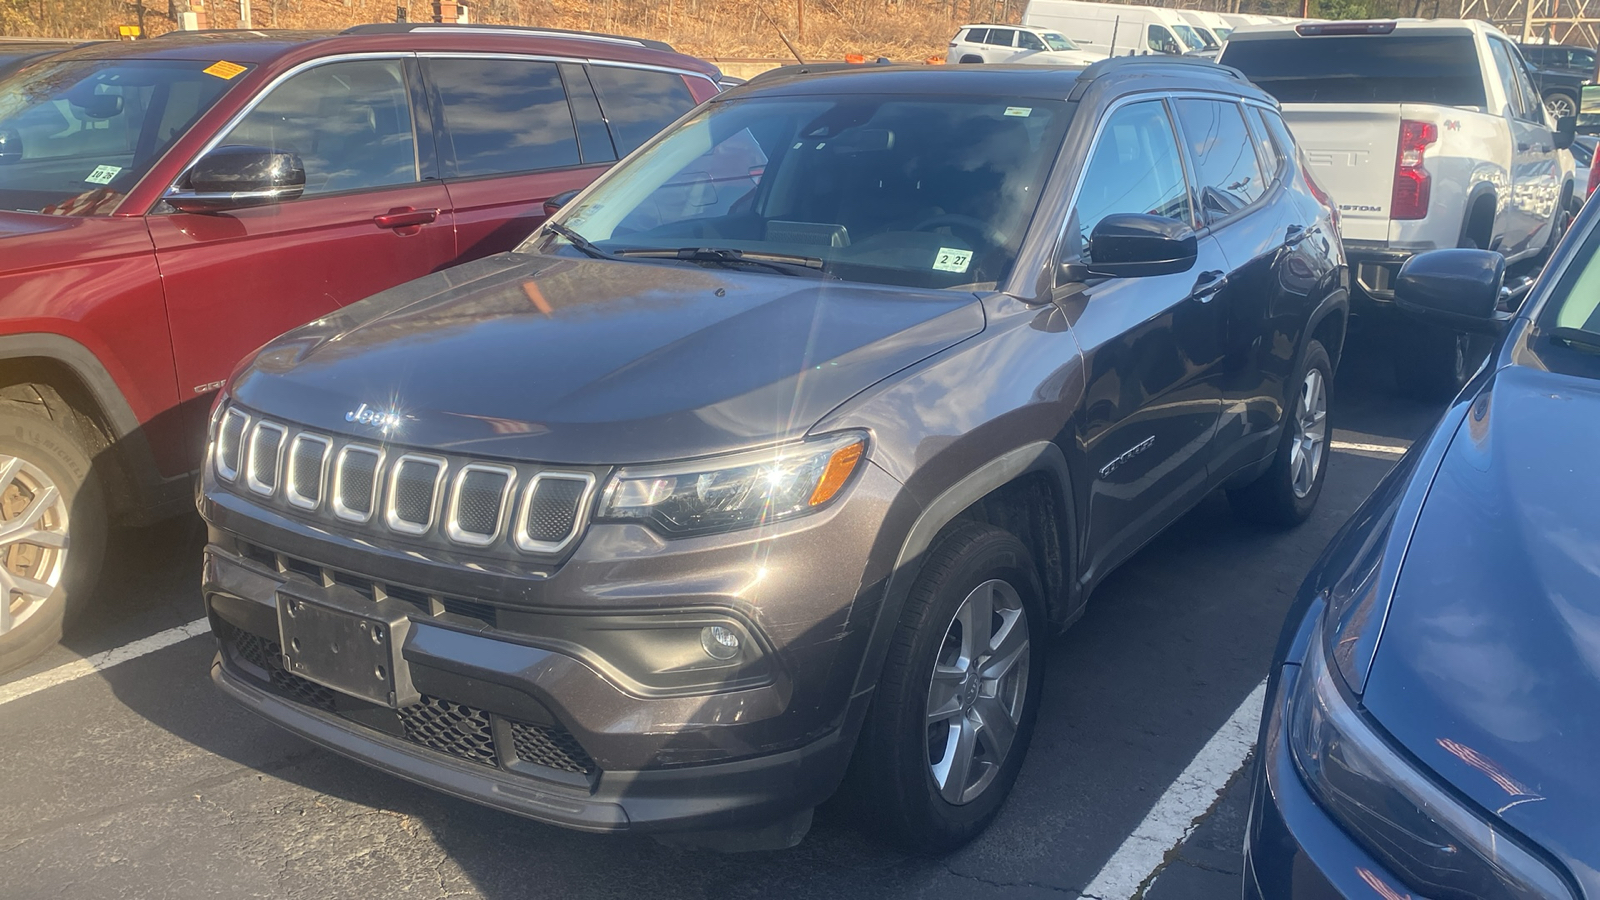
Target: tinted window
column 1582, row 60
column 350, row 122
column 503, row 115
column 977, row 35
column 594, row 139
column 1536, row 55
column 1398, row 68
column 1532, row 103
column 1507, row 74
column 1279, row 142
column 1227, row 173
column 639, row 102
column 1001, row 37
column 1135, row 169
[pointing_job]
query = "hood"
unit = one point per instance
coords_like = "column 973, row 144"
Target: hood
column 1488, row 668
column 595, row 362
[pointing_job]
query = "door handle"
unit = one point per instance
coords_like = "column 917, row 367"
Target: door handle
column 1208, row 284
column 404, row 217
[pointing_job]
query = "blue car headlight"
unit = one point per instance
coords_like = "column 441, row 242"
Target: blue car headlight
column 1435, row 843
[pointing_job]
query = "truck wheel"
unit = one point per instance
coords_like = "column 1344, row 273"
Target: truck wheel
column 1432, row 363
column 1560, row 103
column 955, row 706
column 52, row 532
column 1287, row 492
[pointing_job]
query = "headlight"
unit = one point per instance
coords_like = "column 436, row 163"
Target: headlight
column 1433, row 842
column 737, row 491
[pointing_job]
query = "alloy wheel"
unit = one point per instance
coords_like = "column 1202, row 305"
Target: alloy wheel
column 1559, row 106
column 1310, row 433
column 33, row 540
column 977, row 691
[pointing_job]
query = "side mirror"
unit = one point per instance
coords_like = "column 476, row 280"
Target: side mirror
column 1566, row 130
column 1456, row 289
column 558, row 201
column 10, row 146
column 235, row 177
column 1134, row 245
column 1589, row 109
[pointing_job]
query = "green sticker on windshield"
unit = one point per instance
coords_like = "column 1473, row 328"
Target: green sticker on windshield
column 1023, row 111
column 949, row 259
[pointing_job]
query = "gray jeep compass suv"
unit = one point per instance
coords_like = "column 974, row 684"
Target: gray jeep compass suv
column 777, row 454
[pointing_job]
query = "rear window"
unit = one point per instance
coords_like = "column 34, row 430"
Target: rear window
column 1440, row 69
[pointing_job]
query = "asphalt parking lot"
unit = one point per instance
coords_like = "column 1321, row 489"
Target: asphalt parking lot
column 142, row 780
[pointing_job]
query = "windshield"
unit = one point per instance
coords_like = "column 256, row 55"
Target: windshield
column 921, row 191
column 1187, row 35
column 1057, row 41
column 76, row 135
column 1221, row 32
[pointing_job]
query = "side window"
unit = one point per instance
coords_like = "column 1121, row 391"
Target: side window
column 1027, row 40
column 1532, row 103
column 1135, row 169
column 1001, row 37
column 594, row 139
column 1508, row 75
column 502, row 116
column 639, row 102
column 350, row 122
column 977, row 35
column 1273, row 153
column 1227, row 173
column 1583, row 61
column 1161, row 40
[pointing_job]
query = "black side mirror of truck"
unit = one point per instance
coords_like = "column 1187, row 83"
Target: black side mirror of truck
column 1566, row 130
column 1456, row 289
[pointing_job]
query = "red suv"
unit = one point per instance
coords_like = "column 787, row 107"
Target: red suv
column 168, row 206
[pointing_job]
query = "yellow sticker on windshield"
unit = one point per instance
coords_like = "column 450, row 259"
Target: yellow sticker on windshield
column 223, row 69
column 952, row 260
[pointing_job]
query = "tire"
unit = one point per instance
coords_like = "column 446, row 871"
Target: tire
column 1287, row 492
column 902, row 757
column 1432, row 363
column 1560, row 103
column 36, row 456
column 970, row 59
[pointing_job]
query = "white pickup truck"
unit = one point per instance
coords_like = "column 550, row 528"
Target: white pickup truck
column 1426, row 134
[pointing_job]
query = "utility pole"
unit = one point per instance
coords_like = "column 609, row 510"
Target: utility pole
column 1527, row 19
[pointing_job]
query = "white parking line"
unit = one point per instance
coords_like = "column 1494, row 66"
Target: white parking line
column 1179, row 810
column 1370, row 448
column 99, row 662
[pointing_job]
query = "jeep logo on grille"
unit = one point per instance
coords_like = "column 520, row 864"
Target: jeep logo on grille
column 366, row 415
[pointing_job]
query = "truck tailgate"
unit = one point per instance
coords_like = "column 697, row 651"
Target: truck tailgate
column 1351, row 151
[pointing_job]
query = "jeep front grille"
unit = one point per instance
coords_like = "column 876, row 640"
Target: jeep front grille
column 429, row 497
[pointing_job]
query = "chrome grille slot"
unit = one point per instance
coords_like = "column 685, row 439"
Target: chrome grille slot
column 551, row 508
column 266, row 458
column 355, row 482
column 477, row 504
column 230, row 444
column 308, row 470
column 414, row 485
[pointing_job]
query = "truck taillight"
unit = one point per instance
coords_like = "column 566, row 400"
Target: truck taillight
column 1412, row 184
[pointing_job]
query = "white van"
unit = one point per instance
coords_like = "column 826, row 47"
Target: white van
column 1206, row 31
column 1115, row 29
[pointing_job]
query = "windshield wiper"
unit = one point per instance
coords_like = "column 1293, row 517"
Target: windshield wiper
column 1577, row 338
column 577, row 240
column 782, row 263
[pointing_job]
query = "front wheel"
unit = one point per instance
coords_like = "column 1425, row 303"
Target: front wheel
column 959, row 694
column 52, row 532
column 1287, row 492
column 1560, row 103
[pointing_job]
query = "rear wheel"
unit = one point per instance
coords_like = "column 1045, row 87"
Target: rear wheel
column 970, row 58
column 956, row 703
column 52, row 532
column 1560, row 103
column 1287, row 492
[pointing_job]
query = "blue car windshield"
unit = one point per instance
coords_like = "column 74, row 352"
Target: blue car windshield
column 920, row 191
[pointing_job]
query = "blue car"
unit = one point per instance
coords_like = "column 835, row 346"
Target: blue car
column 1432, row 724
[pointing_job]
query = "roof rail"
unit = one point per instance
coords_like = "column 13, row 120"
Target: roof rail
column 522, row 30
column 1120, row 63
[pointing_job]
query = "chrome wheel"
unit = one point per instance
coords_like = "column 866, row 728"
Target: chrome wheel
column 977, row 691
column 33, row 540
column 1559, row 105
column 1310, row 433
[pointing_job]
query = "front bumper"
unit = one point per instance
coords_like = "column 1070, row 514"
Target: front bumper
column 1292, row 849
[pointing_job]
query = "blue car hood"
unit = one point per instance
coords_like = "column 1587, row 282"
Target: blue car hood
column 1488, row 669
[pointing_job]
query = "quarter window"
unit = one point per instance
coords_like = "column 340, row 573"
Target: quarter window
column 1227, row 173
column 350, row 123
column 1508, row 76
column 977, row 35
column 503, row 115
column 639, row 102
column 1275, row 140
column 1135, row 169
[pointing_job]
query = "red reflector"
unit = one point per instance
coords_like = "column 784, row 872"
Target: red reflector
column 1323, row 29
column 1413, row 187
column 1594, row 178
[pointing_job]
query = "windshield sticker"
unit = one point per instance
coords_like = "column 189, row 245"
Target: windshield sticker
column 1023, row 111
column 103, row 174
column 223, row 69
column 949, row 259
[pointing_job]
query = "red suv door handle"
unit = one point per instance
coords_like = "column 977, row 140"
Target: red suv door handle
column 405, row 217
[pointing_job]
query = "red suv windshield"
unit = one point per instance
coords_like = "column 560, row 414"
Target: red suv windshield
column 75, row 135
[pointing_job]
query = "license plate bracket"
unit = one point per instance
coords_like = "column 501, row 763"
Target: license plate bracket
column 351, row 645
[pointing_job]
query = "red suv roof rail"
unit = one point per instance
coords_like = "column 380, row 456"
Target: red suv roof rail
column 527, row 30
